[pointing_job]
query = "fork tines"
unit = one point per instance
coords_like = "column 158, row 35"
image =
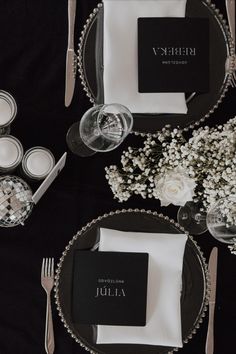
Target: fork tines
column 47, row 267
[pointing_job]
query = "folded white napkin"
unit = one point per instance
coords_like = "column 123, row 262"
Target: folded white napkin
column 166, row 251
column 120, row 55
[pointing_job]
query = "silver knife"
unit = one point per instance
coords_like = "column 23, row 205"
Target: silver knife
column 230, row 8
column 70, row 55
column 213, row 277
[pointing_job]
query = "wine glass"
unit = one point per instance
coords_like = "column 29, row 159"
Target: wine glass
column 101, row 129
column 221, row 220
column 193, row 218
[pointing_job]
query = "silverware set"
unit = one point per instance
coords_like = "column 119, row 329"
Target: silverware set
column 47, row 282
column 230, row 9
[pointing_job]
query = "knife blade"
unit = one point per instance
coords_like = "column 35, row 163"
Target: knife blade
column 70, row 55
column 230, row 8
column 213, row 278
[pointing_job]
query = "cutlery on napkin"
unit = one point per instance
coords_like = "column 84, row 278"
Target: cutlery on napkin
column 213, row 278
column 163, row 321
column 121, row 58
column 70, row 56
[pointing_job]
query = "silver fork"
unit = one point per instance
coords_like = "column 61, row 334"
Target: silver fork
column 230, row 8
column 47, row 282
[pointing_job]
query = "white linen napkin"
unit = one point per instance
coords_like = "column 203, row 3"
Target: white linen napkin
column 166, row 252
column 120, row 55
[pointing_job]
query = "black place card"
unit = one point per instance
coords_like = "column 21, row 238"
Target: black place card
column 173, row 54
column 109, row 288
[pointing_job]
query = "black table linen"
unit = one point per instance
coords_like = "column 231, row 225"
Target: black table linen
column 33, row 42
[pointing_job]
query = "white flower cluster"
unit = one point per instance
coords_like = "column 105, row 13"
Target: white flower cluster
column 232, row 247
column 174, row 170
column 210, row 158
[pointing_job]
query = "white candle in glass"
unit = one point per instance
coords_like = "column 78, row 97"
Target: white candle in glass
column 5, row 112
column 11, row 152
column 8, row 109
column 38, row 162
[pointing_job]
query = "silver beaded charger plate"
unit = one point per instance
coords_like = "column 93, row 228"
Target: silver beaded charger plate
column 200, row 106
column 195, row 279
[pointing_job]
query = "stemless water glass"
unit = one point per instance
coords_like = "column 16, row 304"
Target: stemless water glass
column 101, row 129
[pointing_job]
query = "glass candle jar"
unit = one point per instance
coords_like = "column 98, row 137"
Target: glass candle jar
column 11, row 153
column 37, row 163
column 8, row 110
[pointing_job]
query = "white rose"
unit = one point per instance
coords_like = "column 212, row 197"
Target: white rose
column 175, row 187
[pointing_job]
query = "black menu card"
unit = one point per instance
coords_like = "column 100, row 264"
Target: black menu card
column 109, row 288
column 173, row 54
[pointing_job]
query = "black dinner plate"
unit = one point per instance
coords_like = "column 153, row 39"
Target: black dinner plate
column 194, row 279
column 200, row 106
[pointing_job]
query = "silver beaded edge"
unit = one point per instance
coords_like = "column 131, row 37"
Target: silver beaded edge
column 225, row 87
column 80, row 233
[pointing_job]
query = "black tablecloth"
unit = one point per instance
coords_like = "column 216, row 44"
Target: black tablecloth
column 33, row 40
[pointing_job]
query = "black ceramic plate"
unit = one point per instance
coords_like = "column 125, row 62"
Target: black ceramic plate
column 90, row 63
column 194, row 290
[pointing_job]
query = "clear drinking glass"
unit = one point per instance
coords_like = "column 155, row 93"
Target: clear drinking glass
column 218, row 222
column 101, row 129
column 192, row 217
